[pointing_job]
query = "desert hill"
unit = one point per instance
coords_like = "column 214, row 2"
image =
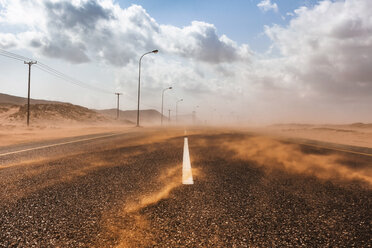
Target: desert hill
column 149, row 116
column 17, row 100
column 13, row 111
column 48, row 113
column 63, row 111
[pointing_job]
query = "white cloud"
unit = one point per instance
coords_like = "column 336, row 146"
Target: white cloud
column 200, row 41
column 329, row 48
column 319, row 66
column 81, row 31
column 7, row 40
column 267, row 5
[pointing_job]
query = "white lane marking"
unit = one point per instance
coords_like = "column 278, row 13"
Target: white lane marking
column 186, row 165
column 58, row 144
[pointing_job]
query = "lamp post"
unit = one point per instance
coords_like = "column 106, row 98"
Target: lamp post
column 177, row 109
column 162, row 101
column 139, row 82
column 117, row 107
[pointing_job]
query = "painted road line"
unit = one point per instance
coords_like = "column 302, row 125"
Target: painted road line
column 186, row 165
column 57, row 144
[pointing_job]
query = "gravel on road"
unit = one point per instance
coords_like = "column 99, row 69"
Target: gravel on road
column 126, row 191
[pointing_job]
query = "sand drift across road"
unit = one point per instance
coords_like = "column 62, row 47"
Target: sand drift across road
column 126, row 190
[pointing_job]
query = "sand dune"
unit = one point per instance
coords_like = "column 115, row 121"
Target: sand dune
column 13, row 111
column 50, row 120
column 149, row 116
column 48, row 114
column 17, row 100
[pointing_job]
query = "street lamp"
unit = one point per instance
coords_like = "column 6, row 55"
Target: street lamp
column 117, row 108
column 162, row 101
column 139, row 82
column 177, row 109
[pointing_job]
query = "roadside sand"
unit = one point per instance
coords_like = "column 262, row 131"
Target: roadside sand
column 52, row 121
column 354, row 134
column 10, row 135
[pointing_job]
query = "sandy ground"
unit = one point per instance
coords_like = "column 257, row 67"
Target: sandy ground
column 354, row 135
column 126, row 191
column 53, row 121
column 11, row 135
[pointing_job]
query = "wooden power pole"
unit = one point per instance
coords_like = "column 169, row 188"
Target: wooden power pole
column 30, row 63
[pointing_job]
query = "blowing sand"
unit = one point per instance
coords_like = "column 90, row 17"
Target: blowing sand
column 273, row 154
column 357, row 134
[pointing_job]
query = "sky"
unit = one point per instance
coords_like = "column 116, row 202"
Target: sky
column 246, row 61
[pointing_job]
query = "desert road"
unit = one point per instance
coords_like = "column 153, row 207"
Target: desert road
column 125, row 190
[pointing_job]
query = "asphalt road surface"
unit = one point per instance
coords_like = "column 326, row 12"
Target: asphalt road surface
column 125, row 190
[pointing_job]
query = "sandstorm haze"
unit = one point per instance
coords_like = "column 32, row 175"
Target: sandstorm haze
column 271, row 63
column 265, row 139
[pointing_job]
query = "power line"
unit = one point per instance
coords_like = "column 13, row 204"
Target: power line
column 13, row 55
column 53, row 72
column 5, row 55
column 69, row 79
column 63, row 76
column 43, row 67
column 8, row 55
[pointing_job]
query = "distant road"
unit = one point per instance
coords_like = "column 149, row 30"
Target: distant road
column 125, row 190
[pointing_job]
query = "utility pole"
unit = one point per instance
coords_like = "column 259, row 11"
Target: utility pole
column 29, row 86
column 117, row 111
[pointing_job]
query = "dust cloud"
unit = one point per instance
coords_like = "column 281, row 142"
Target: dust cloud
column 272, row 154
column 356, row 134
column 139, row 231
column 169, row 180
